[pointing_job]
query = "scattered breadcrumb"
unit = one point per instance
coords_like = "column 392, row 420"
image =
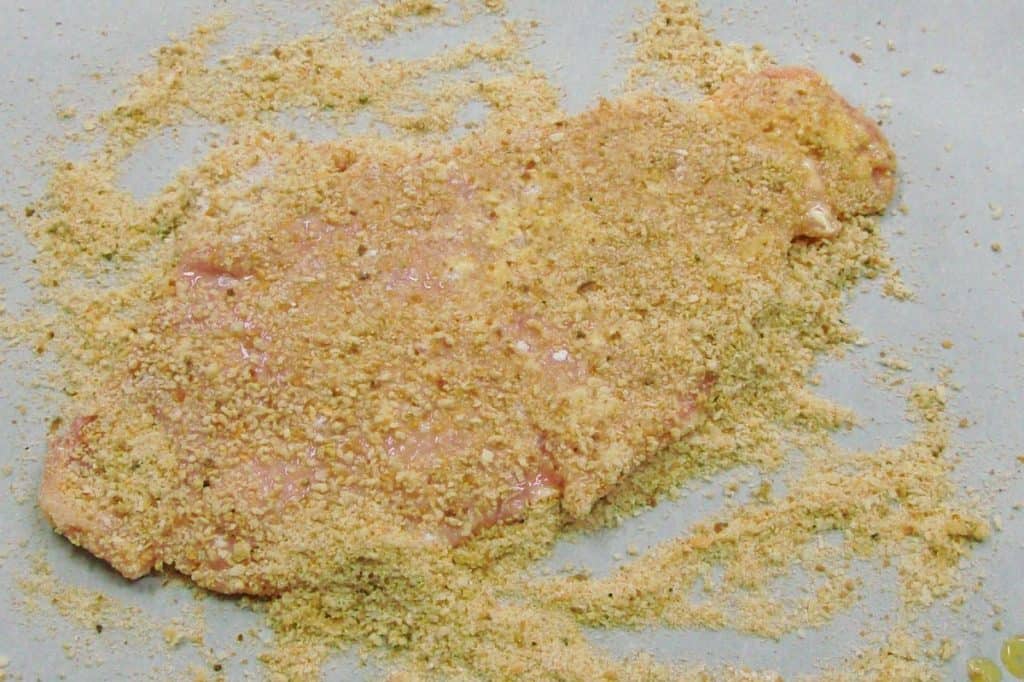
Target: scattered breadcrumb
column 894, row 287
column 675, row 44
column 740, row 333
column 893, row 362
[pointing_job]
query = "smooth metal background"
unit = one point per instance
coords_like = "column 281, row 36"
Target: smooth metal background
column 959, row 135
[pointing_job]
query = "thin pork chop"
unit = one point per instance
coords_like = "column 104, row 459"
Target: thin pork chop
column 452, row 335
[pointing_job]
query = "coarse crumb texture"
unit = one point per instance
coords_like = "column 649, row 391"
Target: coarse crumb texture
column 674, row 45
column 373, row 380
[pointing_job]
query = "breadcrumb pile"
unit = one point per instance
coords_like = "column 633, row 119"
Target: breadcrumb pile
column 735, row 312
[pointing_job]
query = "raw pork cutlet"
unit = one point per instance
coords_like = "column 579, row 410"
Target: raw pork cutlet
column 524, row 316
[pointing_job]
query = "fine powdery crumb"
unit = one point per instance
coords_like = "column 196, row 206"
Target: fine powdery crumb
column 91, row 609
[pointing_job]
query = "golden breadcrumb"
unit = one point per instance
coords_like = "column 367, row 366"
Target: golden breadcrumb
column 645, row 258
